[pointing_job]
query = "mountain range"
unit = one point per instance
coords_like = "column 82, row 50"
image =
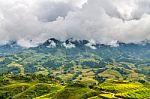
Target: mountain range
column 75, row 66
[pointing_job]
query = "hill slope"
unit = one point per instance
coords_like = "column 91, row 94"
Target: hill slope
column 80, row 68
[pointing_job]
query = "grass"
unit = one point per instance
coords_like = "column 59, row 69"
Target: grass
column 119, row 87
column 66, row 77
column 111, row 74
column 50, row 95
column 11, row 90
column 16, row 65
column 2, row 59
column 84, row 89
column 74, row 91
column 106, row 96
column 95, row 97
column 124, row 89
column 37, row 90
column 137, row 93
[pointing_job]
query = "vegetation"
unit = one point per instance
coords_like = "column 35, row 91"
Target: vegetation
column 77, row 73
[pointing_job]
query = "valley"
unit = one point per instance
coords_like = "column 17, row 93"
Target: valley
column 80, row 72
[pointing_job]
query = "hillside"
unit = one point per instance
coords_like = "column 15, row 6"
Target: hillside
column 75, row 70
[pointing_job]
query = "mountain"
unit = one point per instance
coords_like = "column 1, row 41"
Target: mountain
column 71, row 47
column 57, row 69
column 10, row 47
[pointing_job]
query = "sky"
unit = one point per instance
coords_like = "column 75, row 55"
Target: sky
column 31, row 22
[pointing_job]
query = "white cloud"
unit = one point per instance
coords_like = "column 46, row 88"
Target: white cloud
column 26, row 43
column 69, row 45
column 101, row 20
column 91, row 44
column 52, row 44
column 114, row 43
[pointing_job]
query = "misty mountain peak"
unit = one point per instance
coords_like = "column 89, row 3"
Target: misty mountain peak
column 52, row 44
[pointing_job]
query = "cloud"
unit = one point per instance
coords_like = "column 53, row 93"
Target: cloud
column 104, row 21
column 26, row 43
column 69, row 45
column 91, row 44
column 52, row 44
column 49, row 11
